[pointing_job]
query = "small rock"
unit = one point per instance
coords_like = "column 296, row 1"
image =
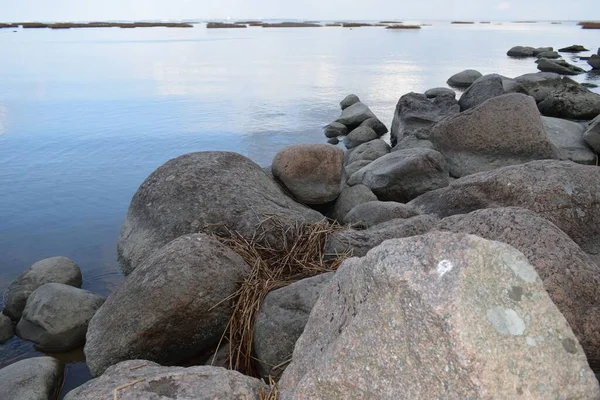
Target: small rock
column 594, row 61
column 158, row 382
column 56, row 317
column 368, row 151
column 7, row 329
column 464, row 79
column 55, row 269
column 562, row 68
column 548, row 54
column 592, row 134
column 441, row 91
column 567, row 136
column 358, row 136
column 335, row 129
column 350, row 198
column 311, row 172
column 539, row 50
column 349, row 100
column 521, row 51
column 37, row 378
column 576, row 48
column 333, row 141
column 281, row 321
column 355, row 115
column 373, row 213
column 375, row 124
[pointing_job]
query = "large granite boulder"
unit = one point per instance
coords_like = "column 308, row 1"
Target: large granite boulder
column 485, row 88
column 145, row 380
column 520, row 51
column 372, row 213
column 281, row 321
column 201, row 191
column 403, row 175
column 443, row 315
column 567, row 137
column 169, row 308
column 360, row 135
column 55, row 269
column 504, row 130
column 556, row 66
column 335, row 129
column 311, row 172
column 592, row 134
column 565, row 193
column 415, row 111
column 36, row 378
column 354, row 115
column 348, row 101
column 359, row 242
column 570, row 277
column 56, row 317
column 7, row 330
column 350, row 197
column 464, row 79
column 368, row 151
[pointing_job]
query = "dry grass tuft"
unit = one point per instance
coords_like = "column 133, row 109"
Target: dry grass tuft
column 280, row 253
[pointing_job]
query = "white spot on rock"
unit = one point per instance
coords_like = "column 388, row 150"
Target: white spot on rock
column 506, row 321
column 444, row 267
column 531, row 341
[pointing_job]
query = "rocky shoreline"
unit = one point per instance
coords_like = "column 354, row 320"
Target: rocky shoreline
column 454, row 255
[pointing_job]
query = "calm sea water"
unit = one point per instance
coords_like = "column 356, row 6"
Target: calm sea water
column 87, row 114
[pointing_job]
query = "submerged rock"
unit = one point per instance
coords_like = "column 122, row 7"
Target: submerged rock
column 311, row 172
column 520, row 51
column 376, row 212
column 281, row 321
column 170, row 308
column 201, row 191
column 567, row 136
column 37, row 378
column 504, row 130
column 153, row 381
column 576, row 48
column 7, row 329
column 55, row 269
column 437, row 316
column 464, row 79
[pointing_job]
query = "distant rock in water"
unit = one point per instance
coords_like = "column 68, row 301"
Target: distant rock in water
column 464, row 79
column 219, row 25
column 548, row 54
column 441, row 91
column 521, row 51
column 576, row 48
column 594, row 61
column 559, row 67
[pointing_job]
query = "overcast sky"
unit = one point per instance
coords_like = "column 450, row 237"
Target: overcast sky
column 73, row 10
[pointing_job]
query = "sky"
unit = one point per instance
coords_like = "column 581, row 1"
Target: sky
column 85, row 10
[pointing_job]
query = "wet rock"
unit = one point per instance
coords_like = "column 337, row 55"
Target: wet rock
column 350, row 198
column 464, row 79
column 504, row 130
column 376, row 212
column 441, row 91
column 358, row 136
column 56, row 317
column 55, row 269
column 576, row 48
column 562, row 68
column 375, row 124
column 157, row 382
column 570, row 277
column 567, row 136
column 311, row 172
column 348, row 101
column 201, row 191
column 592, row 134
column 539, row 50
column 548, row 54
column 36, row 378
column 335, row 129
column 521, row 51
column 419, row 313
column 281, row 321
column 359, row 242
column 333, row 141
column 369, row 151
column 415, row 112
column 403, row 175
column 355, row 115
column 169, row 308
column 7, row 329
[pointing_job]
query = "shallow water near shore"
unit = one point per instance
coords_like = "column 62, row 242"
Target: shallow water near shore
column 87, row 114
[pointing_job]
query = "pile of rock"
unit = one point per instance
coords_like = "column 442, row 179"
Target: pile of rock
column 357, row 124
column 549, row 60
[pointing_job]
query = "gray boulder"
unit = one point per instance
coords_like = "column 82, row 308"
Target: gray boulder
column 358, row 136
column 281, row 321
column 335, row 129
column 484, row 88
column 415, row 112
column 539, row 50
column 348, row 101
column 576, row 48
column 169, row 308
column 375, row 124
column 201, row 191
column 521, row 51
column 350, row 198
column 376, row 212
column 504, row 130
column 7, row 329
column 594, row 61
column 440, row 91
column 311, row 172
column 562, row 68
column 548, row 54
column 56, row 317
column 333, row 141
column 413, row 142
column 537, row 78
column 464, row 79
column 592, row 134
column 36, row 378
column 437, row 316
column 55, row 269
column 149, row 381
column 368, row 151
column 352, row 168
column 567, row 136
column 403, row 175
column 355, row 115
column 359, row 242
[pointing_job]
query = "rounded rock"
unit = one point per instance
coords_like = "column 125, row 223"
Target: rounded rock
column 464, row 79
